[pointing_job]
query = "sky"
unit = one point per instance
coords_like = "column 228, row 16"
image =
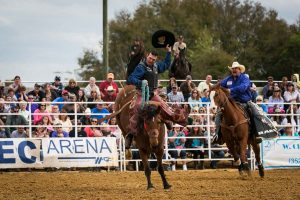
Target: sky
column 40, row 39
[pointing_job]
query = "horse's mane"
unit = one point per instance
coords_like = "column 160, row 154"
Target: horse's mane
column 231, row 100
column 147, row 113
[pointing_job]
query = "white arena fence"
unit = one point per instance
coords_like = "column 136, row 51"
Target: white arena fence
column 283, row 152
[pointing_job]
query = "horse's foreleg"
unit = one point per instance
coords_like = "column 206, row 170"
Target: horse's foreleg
column 145, row 156
column 160, row 168
column 256, row 149
column 243, row 156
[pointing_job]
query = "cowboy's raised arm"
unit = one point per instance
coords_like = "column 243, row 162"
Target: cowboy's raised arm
column 164, row 65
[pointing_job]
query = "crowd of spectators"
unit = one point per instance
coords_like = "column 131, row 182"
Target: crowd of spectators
column 50, row 111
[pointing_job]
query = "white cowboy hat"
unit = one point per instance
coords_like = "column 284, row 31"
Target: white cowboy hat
column 235, row 65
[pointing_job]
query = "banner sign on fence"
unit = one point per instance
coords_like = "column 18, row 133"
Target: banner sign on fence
column 80, row 152
column 283, row 152
column 58, row 152
column 20, row 153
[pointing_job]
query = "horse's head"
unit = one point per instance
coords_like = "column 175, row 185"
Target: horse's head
column 220, row 96
column 152, row 122
column 182, row 53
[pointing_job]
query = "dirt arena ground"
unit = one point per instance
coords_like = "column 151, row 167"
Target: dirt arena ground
column 200, row 184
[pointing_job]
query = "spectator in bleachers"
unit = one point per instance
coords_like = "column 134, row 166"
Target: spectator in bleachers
column 214, row 153
column 116, row 131
column 82, row 98
column 32, row 104
column 86, row 117
column 11, row 94
column 175, row 95
column 205, row 98
column 21, row 94
column 80, row 130
column 268, row 88
column 197, row 144
column 41, row 132
column 25, row 113
column 99, row 110
column 63, row 98
column 110, row 95
column 2, row 87
column 65, row 121
column 37, row 93
column 93, row 130
column 91, row 87
column 295, row 80
column 195, row 99
column 289, row 131
column 186, row 87
column 16, row 84
column 283, row 85
column 8, row 103
column 46, row 122
column 291, row 116
column 57, row 86
column 93, row 98
column 50, row 94
column 14, row 119
column 172, row 82
column 291, row 95
column 39, row 113
column 20, row 132
column 3, row 133
column 261, row 104
column 177, row 143
column 109, row 83
column 55, row 114
column 276, row 101
column 3, row 109
column 205, row 84
column 160, row 89
column 72, row 87
column 59, row 132
column 70, row 106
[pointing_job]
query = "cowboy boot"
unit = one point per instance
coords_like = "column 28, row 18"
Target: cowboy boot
column 180, row 117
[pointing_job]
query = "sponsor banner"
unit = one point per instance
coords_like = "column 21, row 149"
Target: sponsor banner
column 80, row 152
column 20, row 153
column 58, row 152
column 283, row 152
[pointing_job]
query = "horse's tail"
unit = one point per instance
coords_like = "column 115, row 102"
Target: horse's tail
column 114, row 114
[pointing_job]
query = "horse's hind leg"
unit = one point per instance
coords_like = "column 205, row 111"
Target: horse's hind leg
column 145, row 156
column 256, row 149
column 160, row 168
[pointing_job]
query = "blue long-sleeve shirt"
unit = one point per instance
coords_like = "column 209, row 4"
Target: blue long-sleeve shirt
column 239, row 87
column 136, row 76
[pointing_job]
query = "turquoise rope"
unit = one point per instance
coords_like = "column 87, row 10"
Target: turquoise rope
column 145, row 93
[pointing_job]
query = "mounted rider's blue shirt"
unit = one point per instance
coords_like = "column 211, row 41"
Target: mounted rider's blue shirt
column 149, row 73
column 239, row 87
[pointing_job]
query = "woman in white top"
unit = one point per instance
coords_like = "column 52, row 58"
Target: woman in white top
column 195, row 99
column 276, row 101
column 91, row 86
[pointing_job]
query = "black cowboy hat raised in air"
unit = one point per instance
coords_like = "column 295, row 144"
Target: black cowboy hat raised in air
column 162, row 38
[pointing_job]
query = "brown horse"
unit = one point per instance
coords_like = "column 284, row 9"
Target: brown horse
column 180, row 67
column 150, row 138
column 235, row 130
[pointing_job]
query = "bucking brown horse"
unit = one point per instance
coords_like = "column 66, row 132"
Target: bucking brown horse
column 150, row 138
column 235, row 130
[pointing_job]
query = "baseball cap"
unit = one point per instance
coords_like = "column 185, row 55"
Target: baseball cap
column 64, row 92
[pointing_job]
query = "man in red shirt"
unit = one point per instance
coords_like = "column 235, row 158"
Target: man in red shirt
column 105, row 84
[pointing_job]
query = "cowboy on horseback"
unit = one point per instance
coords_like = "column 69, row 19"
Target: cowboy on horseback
column 177, row 46
column 238, row 85
column 147, row 72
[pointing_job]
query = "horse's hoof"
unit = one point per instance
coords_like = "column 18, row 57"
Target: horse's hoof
column 261, row 171
column 150, row 187
column 167, row 187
